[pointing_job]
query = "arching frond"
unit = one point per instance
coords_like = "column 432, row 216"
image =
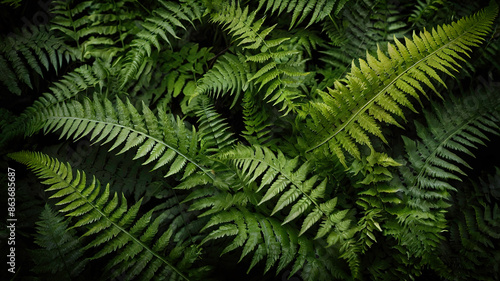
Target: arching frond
column 115, row 227
column 162, row 25
column 165, row 140
column 294, row 192
column 377, row 90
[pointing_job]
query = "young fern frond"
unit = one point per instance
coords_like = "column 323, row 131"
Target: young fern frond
column 165, row 140
column 377, row 90
column 61, row 253
column 319, row 9
column 109, row 220
column 453, row 130
column 33, row 49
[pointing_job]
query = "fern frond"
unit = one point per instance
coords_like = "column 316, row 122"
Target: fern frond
column 228, row 75
column 31, row 50
column 213, row 130
column 61, row 254
column 300, row 10
column 474, row 231
column 294, row 192
column 377, row 90
column 162, row 25
column 271, row 242
column 97, row 28
column 165, row 140
column 114, row 226
column 436, row 161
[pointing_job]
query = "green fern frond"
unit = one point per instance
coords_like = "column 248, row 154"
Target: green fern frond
column 474, row 231
column 228, row 75
column 31, row 50
column 271, row 242
column 294, row 192
column 162, row 25
column 165, row 140
column 111, row 223
column 242, row 24
column 213, row 130
column 377, row 89
column 61, row 254
column 300, row 10
column 436, row 161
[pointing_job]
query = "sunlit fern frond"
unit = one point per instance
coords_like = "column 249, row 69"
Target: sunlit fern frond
column 378, row 89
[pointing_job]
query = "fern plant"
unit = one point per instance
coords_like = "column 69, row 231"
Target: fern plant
column 254, row 140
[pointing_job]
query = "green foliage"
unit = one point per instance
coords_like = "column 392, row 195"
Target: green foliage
column 113, row 225
column 30, row 49
column 61, row 253
column 257, row 137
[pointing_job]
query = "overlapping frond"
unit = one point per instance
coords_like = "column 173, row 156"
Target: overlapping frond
column 229, row 75
column 436, row 160
column 165, row 140
column 471, row 252
column 34, row 49
column 158, row 29
column 115, row 227
column 213, row 129
column 280, row 68
column 94, row 28
column 378, row 89
column 288, row 186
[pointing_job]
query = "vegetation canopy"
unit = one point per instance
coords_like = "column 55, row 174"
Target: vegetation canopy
column 252, row 140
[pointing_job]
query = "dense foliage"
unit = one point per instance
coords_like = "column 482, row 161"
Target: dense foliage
column 252, row 140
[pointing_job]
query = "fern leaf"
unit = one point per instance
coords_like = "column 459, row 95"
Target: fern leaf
column 122, row 124
column 452, row 130
column 337, row 116
column 61, row 253
column 112, row 223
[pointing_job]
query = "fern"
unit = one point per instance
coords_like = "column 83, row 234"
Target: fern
column 319, row 9
column 110, row 220
column 278, row 76
column 213, row 130
column 97, row 29
column 374, row 92
column 288, row 185
column 61, row 253
column 228, row 75
column 474, row 231
column 165, row 140
column 159, row 26
column 24, row 53
column 452, row 130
